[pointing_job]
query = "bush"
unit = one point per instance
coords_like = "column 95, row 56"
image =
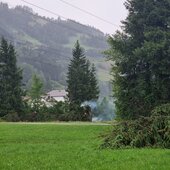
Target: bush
column 59, row 111
column 2, row 120
column 151, row 131
column 11, row 117
column 42, row 113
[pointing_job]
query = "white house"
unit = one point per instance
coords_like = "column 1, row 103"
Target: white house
column 57, row 95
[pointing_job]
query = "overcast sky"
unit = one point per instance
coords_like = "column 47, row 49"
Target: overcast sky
column 110, row 10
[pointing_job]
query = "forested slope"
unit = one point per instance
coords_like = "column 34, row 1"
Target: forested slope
column 44, row 45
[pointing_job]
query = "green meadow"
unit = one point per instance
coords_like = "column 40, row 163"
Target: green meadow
column 72, row 146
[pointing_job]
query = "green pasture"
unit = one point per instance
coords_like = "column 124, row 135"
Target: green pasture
column 75, row 146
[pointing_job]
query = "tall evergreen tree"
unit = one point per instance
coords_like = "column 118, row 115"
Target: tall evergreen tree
column 141, row 56
column 81, row 79
column 11, row 80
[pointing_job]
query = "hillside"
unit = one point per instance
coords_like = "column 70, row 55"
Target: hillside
column 44, row 45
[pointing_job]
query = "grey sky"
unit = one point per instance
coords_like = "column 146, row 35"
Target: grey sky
column 111, row 10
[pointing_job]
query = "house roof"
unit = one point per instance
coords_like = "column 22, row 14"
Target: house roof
column 57, row 93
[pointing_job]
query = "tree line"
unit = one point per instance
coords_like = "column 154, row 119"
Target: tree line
column 39, row 53
column 17, row 104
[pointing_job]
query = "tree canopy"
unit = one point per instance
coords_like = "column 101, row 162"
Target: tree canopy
column 48, row 55
column 141, row 56
column 36, row 87
column 11, row 80
column 81, row 78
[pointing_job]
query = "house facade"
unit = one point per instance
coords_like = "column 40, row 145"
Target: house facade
column 57, row 95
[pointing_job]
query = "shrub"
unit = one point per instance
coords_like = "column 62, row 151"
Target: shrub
column 59, row 111
column 11, row 117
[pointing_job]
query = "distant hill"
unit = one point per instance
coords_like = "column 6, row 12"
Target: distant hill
column 44, row 45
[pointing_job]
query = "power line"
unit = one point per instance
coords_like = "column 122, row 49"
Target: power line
column 56, row 14
column 44, row 9
column 55, row 23
column 55, row 52
column 20, row 43
column 89, row 13
column 51, row 12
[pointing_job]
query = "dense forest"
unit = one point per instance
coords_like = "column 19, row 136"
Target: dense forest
column 48, row 55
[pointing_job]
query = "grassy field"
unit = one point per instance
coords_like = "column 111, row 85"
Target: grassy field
column 72, row 146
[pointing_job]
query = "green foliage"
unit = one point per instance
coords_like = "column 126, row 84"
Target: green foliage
column 81, row 81
column 163, row 109
column 11, row 117
column 11, row 81
column 151, row 131
column 93, row 84
column 81, row 78
column 77, row 113
column 35, row 92
column 37, row 111
column 141, row 59
column 48, row 54
column 36, row 88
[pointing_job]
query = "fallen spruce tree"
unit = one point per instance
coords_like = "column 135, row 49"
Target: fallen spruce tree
column 153, row 131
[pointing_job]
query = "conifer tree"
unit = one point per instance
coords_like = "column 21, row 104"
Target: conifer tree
column 81, row 78
column 141, row 58
column 93, row 84
column 11, row 80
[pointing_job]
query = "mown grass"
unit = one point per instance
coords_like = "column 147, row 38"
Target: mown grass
column 65, row 147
